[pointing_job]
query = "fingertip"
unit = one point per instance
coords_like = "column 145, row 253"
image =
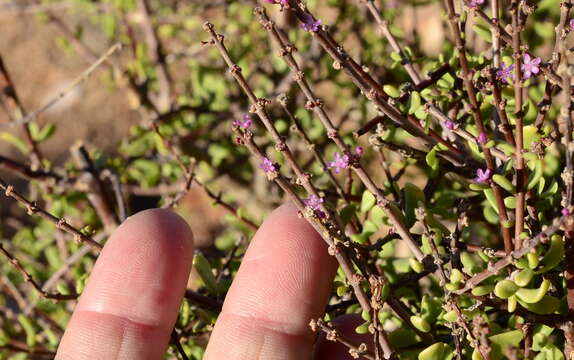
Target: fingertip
column 151, row 251
column 283, row 282
column 153, row 224
column 132, row 297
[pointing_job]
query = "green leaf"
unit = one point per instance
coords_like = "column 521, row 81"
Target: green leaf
column 504, row 183
column 505, row 289
column 489, row 194
column 396, row 56
column 420, row 323
column 392, row 91
column 363, row 329
column 415, row 102
column 482, row 290
column 414, row 198
column 550, row 352
column 523, row 277
column 42, row 134
column 203, row 268
column 530, row 135
column 148, row 172
column 509, row 338
column 15, row 141
column 548, row 305
column 367, row 201
column 347, row 213
column 437, row 351
column 536, row 175
column 432, row 160
column 532, row 296
column 554, row 255
column 483, row 31
column 29, row 329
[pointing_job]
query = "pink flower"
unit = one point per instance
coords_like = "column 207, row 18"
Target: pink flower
column 482, row 139
column 530, row 66
column 572, row 25
column 310, row 24
column 566, row 212
column 359, row 151
column 340, row 163
column 267, row 165
column 314, row 203
column 449, row 124
column 482, row 176
column 475, row 3
column 245, row 123
column 505, row 73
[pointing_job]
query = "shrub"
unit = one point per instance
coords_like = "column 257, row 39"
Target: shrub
column 442, row 183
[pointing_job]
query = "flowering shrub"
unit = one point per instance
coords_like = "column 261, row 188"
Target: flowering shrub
column 443, row 184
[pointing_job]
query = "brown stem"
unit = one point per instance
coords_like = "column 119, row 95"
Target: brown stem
column 500, row 106
column 203, row 301
column 333, row 133
column 9, row 97
column 475, row 110
column 61, row 224
column 373, row 91
column 527, row 246
column 258, row 106
column 156, row 56
column 95, row 188
column 25, row 172
column 298, row 128
column 521, row 173
column 332, row 239
column 29, row 279
column 332, row 334
column 416, row 78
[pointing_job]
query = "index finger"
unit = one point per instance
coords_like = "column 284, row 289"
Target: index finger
column 132, row 298
column 283, row 282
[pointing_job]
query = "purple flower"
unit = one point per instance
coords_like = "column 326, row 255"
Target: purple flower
column 359, row 151
column 530, row 66
column 245, row 123
column 449, row 124
column 566, row 212
column 572, row 25
column 482, row 139
column 267, row 165
column 475, row 3
column 482, row 175
column 310, row 24
column 314, row 203
column 340, row 163
column 505, row 73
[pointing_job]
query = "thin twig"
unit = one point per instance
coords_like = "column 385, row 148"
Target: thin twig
column 33, row 208
column 333, row 133
column 527, row 245
column 53, row 101
column 29, row 279
column 475, row 111
column 9, row 97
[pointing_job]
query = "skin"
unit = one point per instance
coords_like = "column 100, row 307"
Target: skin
column 132, row 298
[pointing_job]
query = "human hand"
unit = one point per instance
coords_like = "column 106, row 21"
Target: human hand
column 132, row 299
